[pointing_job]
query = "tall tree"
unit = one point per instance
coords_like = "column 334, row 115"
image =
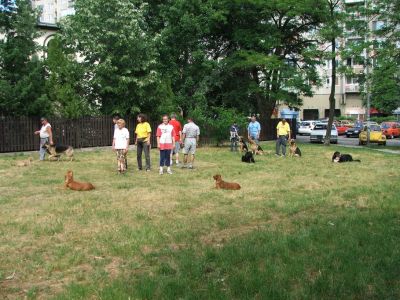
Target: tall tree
column 385, row 78
column 331, row 31
column 21, row 72
column 66, row 83
column 117, row 53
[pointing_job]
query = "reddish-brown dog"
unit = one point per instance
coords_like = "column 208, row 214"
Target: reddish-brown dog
column 220, row 184
column 76, row 186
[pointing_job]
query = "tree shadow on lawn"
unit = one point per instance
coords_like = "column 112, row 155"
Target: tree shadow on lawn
column 354, row 255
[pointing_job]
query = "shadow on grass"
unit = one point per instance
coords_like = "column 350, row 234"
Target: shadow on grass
column 352, row 256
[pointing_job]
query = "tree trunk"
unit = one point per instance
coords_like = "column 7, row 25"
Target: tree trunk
column 327, row 141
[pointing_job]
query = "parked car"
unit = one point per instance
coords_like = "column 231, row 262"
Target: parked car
column 347, row 123
column 341, row 128
column 306, row 127
column 390, row 129
column 354, row 131
column 375, row 135
column 319, row 132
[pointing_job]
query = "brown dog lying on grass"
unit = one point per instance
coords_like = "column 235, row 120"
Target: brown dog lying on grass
column 76, row 186
column 24, row 163
column 220, row 184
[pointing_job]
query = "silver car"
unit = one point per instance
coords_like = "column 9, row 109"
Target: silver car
column 306, row 127
column 319, row 132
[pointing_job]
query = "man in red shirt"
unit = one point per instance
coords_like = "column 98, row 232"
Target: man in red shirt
column 178, row 133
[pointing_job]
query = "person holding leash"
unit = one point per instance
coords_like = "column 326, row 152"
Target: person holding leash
column 234, row 133
column 143, row 141
column 283, row 135
column 46, row 135
column 253, row 130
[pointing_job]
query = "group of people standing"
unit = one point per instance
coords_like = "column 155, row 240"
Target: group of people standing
column 171, row 137
column 283, row 134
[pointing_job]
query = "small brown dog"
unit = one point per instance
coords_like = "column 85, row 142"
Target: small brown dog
column 220, row 184
column 24, row 163
column 76, row 186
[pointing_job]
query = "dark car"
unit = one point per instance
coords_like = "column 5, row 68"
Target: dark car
column 354, row 131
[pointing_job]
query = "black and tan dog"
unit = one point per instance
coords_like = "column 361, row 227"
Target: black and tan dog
column 243, row 145
column 293, row 149
column 255, row 148
column 248, row 157
column 55, row 151
column 341, row 158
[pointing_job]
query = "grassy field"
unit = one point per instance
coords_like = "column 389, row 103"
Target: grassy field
column 298, row 229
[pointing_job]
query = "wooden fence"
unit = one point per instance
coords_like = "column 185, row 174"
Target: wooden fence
column 17, row 133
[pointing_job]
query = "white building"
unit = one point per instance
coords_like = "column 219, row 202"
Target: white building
column 51, row 12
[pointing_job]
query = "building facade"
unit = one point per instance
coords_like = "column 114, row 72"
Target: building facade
column 50, row 13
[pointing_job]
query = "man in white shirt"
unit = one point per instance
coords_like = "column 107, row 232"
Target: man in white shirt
column 46, row 135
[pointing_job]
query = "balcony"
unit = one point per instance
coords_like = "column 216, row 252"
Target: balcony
column 353, row 1
column 352, row 88
column 358, row 69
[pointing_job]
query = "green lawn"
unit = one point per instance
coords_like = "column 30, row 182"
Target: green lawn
column 298, row 229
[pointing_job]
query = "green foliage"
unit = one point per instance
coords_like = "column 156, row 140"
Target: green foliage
column 117, row 53
column 217, row 120
column 21, row 71
column 384, row 119
column 65, row 85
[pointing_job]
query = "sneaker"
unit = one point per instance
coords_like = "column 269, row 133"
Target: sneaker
column 184, row 166
column 147, row 170
column 278, row 155
column 178, row 164
column 169, row 171
column 161, row 172
column 190, row 167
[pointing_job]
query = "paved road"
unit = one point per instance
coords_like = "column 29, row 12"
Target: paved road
column 342, row 140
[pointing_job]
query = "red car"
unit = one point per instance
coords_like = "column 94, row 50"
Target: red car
column 391, row 129
column 341, row 128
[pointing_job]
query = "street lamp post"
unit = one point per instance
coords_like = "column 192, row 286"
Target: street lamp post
column 366, row 59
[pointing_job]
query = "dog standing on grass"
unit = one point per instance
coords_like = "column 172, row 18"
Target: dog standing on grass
column 55, row 151
column 76, row 186
column 220, row 184
column 293, row 149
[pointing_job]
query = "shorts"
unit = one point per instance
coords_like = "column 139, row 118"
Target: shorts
column 121, row 155
column 177, row 148
column 190, row 146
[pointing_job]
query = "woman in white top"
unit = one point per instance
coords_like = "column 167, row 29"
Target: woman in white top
column 46, row 135
column 120, row 145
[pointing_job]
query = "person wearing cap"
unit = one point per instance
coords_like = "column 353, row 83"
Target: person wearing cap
column 190, row 138
column 46, row 135
column 283, row 135
column 253, row 130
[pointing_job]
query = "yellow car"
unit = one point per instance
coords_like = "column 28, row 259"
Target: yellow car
column 375, row 135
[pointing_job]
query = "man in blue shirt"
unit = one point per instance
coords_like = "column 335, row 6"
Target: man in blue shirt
column 254, row 130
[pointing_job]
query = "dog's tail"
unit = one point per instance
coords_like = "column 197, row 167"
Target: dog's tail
column 356, row 160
